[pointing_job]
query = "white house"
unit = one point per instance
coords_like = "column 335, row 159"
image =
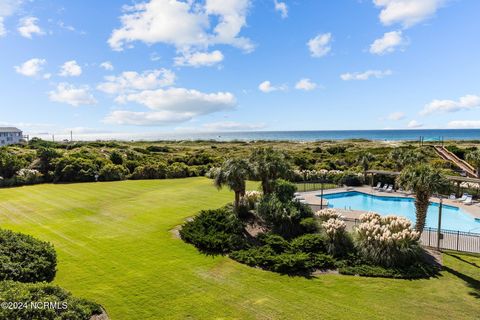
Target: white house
column 10, row 135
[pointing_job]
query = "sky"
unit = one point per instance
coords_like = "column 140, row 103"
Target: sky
column 125, row 67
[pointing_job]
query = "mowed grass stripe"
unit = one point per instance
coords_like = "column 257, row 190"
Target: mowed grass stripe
column 115, row 246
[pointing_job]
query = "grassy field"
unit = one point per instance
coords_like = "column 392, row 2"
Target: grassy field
column 116, row 247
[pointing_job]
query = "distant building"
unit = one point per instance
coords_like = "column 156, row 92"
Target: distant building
column 10, row 135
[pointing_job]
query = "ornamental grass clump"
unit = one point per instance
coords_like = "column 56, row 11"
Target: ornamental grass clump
column 338, row 241
column 387, row 241
column 327, row 214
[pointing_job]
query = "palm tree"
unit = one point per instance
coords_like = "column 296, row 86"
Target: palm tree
column 233, row 174
column 364, row 161
column 424, row 181
column 269, row 165
column 474, row 158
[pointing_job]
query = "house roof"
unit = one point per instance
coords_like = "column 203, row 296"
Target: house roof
column 9, row 129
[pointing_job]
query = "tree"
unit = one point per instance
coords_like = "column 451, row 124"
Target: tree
column 269, row 165
column 233, row 174
column 474, row 158
column 424, row 181
column 364, row 161
column 116, row 157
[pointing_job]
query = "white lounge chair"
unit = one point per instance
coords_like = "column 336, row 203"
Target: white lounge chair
column 389, row 189
column 468, row 201
column 452, row 197
column 462, row 198
column 348, row 188
column 379, row 185
column 385, row 187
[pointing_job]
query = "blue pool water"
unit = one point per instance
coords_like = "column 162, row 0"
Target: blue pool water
column 453, row 218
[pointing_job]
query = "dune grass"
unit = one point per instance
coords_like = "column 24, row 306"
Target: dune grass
column 115, row 246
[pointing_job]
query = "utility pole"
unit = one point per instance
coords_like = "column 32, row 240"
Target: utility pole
column 71, row 135
column 53, row 137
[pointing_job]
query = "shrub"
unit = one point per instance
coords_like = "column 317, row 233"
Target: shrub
column 112, row 172
column 72, row 169
column 9, row 163
column 387, row 241
column 283, row 218
column 116, row 158
column 255, row 257
column 321, row 261
column 177, row 170
column 26, row 259
column 276, row 242
column 327, row 214
column 351, row 179
column 64, row 305
column 150, row 171
column 284, row 190
column 214, row 231
column 309, row 225
column 338, row 241
column 414, row 271
column 291, row 263
column 157, row 149
column 309, row 243
column 252, row 198
column 29, row 176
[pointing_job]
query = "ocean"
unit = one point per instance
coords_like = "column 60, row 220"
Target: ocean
column 378, row 135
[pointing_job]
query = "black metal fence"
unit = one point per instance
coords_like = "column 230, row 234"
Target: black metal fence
column 449, row 239
column 304, row 186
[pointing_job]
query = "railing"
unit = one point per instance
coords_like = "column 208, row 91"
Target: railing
column 304, row 186
column 449, row 239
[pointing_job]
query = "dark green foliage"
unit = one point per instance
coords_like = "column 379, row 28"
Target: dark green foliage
column 177, row 170
column 414, row 271
column 284, row 190
column 112, row 172
column 283, row 218
column 309, row 225
column 214, row 231
column 68, row 307
column 116, row 157
column 275, row 242
column 10, row 163
column 75, row 170
column 150, row 171
column 46, row 157
column 269, row 165
column 157, row 149
column 351, row 179
column 337, row 149
column 309, row 243
column 26, row 259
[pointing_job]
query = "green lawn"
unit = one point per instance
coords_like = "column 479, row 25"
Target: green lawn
column 115, row 246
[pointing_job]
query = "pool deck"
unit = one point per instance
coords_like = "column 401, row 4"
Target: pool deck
column 313, row 199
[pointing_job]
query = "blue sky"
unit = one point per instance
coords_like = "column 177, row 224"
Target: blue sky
column 123, row 67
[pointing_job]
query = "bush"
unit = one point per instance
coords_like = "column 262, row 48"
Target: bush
column 113, row 172
column 309, row 225
column 351, row 179
column 73, row 169
column 338, row 241
column 414, row 271
column 64, row 305
column 283, row 218
column 214, row 231
column 177, row 170
column 276, row 242
column 9, row 163
column 387, row 241
column 284, row 190
column 29, row 176
column 150, row 171
column 157, row 149
column 116, row 158
column 291, row 263
column 26, row 259
column 309, row 243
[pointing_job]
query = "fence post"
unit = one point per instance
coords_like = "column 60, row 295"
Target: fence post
column 458, row 236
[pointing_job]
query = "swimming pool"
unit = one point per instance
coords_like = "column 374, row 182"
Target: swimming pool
column 453, row 218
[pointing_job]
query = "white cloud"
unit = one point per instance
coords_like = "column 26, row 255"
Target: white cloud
column 7, row 8
column 464, row 124
column 130, row 81
column 282, row 8
column 70, row 69
column 233, row 126
column 467, row 102
column 107, row 65
column 31, row 67
column 306, row 85
column 266, row 87
column 365, row 75
column 75, row 96
column 3, row 31
column 414, row 124
column 28, row 26
column 407, row 12
column 388, row 43
column 395, row 116
column 156, row 21
column 199, row 59
column 320, row 45
column 172, row 105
